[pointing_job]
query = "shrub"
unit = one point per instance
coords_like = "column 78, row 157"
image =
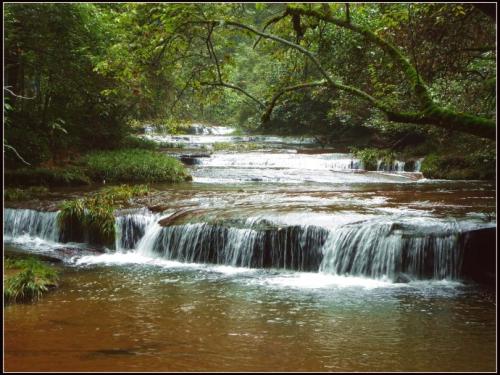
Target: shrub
column 134, row 165
column 91, row 219
column 371, row 156
column 34, row 279
column 459, row 167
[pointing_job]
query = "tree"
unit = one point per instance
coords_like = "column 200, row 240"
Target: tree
column 429, row 112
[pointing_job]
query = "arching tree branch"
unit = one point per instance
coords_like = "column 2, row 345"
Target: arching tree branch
column 407, row 68
column 233, row 87
column 430, row 114
column 267, row 114
column 220, row 82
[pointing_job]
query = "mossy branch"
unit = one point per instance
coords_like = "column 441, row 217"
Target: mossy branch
column 430, row 114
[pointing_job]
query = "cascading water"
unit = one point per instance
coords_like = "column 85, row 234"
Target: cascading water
column 380, row 250
column 131, row 228
column 32, row 223
column 336, row 162
column 395, row 166
column 418, row 164
column 370, row 249
column 292, row 247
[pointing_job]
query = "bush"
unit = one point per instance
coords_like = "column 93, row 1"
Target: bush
column 134, row 165
column 371, row 156
column 34, row 279
column 457, row 167
column 92, row 219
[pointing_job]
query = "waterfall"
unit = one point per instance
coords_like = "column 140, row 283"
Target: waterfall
column 20, row 222
column 291, row 247
column 379, row 250
column 410, row 248
column 395, row 166
column 418, row 164
column 130, row 228
column 337, row 162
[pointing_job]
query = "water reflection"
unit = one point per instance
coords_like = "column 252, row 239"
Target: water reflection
column 153, row 318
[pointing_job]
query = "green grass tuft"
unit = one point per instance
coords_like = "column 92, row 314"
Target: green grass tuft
column 134, row 165
column 92, row 218
column 34, row 279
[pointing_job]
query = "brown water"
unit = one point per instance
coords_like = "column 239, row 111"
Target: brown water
column 173, row 317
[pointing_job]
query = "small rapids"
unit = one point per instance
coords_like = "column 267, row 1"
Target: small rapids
column 330, row 231
column 334, row 162
column 31, row 223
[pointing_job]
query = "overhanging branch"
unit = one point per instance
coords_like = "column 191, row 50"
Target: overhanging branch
column 233, row 87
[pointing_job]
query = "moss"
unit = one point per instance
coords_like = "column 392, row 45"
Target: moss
column 32, row 280
column 472, row 166
column 371, row 156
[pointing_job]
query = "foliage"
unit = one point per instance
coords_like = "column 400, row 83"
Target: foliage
column 92, row 218
column 459, row 167
column 371, row 156
column 50, row 52
column 130, row 63
column 34, row 279
column 134, row 165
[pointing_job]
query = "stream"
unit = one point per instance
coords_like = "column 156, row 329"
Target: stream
column 285, row 257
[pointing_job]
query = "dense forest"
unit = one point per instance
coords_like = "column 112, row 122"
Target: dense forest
column 413, row 78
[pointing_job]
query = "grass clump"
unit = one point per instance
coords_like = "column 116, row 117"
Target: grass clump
column 33, row 279
column 92, row 219
column 134, row 165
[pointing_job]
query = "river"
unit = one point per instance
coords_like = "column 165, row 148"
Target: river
column 284, row 258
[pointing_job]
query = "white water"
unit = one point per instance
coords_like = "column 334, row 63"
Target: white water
column 379, row 250
column 346, row 235
column 25, row 223
column 395, row 166
column 332, row 162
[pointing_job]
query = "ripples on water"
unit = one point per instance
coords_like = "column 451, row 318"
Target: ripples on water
column 168, row 316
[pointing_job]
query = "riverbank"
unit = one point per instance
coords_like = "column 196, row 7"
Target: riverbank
column 133, row 165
